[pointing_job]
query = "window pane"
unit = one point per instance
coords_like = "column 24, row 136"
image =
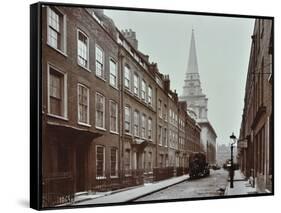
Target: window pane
column 99, row 62
column 113, row 73
column 127, row 77
column 136, row 84
column 82, row 49
column 56, row 92
column 100, row 105
column 83, row 99
column 113, row 162
column 100, row 161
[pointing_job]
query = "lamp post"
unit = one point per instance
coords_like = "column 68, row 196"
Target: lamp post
column 233, row 137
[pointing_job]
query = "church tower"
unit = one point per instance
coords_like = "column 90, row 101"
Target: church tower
column 192, row 91
column 197, row 103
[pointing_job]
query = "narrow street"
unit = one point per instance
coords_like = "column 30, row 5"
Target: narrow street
column 204, row 187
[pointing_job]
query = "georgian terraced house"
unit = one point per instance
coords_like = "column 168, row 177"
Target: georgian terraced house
column 110, row 119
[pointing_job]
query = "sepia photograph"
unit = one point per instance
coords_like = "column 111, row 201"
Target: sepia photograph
column 138, row 106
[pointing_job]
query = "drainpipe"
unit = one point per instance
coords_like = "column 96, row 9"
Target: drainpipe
column 121, row 113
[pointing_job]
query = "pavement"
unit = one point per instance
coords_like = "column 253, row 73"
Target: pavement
column 127, row 195
column 241, row 185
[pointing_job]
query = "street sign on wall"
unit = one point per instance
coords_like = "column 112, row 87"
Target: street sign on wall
column 243, row 143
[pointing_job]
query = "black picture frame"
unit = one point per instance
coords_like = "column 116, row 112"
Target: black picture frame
column 37, row 112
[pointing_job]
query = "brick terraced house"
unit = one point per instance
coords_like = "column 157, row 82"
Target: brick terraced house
column 255, row 145
column 110, row 119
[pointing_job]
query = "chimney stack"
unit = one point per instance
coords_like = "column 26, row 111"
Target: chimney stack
column 130, row 35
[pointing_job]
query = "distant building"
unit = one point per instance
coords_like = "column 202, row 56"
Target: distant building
column 256, row 131
column 197, row 103
column 223, row 153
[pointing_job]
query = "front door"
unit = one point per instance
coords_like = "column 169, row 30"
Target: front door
column 81, row 169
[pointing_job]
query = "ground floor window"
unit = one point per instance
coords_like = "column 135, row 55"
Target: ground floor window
column 113, row 162
column 100, row 161
column 127, row 161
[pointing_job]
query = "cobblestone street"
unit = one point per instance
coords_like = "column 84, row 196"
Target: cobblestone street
column 204, row 187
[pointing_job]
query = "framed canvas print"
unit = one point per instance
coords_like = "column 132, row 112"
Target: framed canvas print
column 134, row 106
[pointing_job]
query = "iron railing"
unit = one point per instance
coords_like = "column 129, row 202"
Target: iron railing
column 58, row 190
column 163, row 173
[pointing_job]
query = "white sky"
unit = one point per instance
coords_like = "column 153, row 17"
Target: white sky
column 223, row 48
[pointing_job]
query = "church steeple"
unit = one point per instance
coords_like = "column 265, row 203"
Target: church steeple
column 192, row 85
column 192, row 60
column 192, row 91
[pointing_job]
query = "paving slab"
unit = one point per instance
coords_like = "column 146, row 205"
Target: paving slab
column 135, row 193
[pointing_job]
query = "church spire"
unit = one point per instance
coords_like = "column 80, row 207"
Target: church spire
column 192, row 66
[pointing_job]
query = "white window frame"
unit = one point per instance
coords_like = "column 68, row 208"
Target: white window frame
column 165, row 112
column 150, row 169
column 149, row 128
column 116, row 160
column 63, row 50
column 160, row 135
column 88, row 58
column 136, row 123
column 130, row 119
column 143, row 90
column 127, row 68
column 104, row 101
column 88, row 109
column 65, row 114
column 102, row 76
column 115, row 85
column 143, row 126
column 160, row 110
column 136, row 87
column 116, row 105
column 100, row 177
column 149, row 96
column 130, row 163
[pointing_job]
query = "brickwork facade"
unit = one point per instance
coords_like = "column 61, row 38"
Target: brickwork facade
column 256, row 132
column 110, row 119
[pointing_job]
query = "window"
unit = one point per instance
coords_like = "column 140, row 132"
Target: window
column 83, row 104
column 161, row 159
column 171, row 116
column 160, row 108
column 127, row 119
column 149, row 163
column 165, row 137
column 83, row 49
column 144, row 161
column 149, row 125
column 149, row 95
column 143, row 126
column 165, row 112
column 99, row 62
column 127, row 77
column 55, row 31
column 136, row 84
column 100, row 111
column 170, row 138
column 57, row 93
column 136, row 123
column 160, row 135
column 113, row 162
column 113, row 116
column 113, row 73
column 100, row 162
column 143, row 90
column 127, row 161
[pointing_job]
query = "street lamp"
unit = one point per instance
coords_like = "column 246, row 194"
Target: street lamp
column 233, row 137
